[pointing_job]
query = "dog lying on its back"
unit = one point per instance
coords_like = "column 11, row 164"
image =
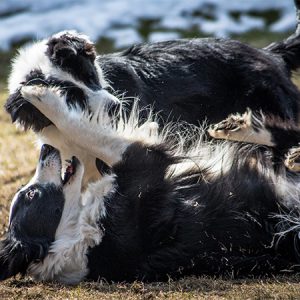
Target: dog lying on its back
column 158, row 211
column 189, row 80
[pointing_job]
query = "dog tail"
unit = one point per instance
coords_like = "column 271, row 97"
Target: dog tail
column 289, row 49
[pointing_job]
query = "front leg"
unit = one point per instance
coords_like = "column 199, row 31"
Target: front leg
column 48, row 100
column 96, row 134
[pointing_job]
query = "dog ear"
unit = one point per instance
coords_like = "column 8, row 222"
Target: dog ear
column 12, row 259
column 90, row 50
column 25, row 113
column 103, row 168
column 15, row 256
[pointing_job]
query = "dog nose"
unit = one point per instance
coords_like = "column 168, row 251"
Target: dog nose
column 46, row 150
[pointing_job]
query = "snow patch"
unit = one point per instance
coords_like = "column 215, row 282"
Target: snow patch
column 33, row 19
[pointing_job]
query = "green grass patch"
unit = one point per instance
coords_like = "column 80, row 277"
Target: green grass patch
column 269, row 16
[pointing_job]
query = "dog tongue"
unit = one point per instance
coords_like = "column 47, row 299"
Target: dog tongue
column 70, row 169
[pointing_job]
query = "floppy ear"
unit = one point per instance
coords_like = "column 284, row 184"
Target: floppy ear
column 102, row 167
column 15, row 256
column 12, row 259
column 25, row 113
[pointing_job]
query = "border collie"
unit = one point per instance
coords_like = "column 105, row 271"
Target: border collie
column 160, row 210
column 189, row 80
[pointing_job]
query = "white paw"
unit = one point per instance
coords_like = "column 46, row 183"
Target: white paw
column 292, row 160
column 47, row 100
column 33, row 93
column 235, row 127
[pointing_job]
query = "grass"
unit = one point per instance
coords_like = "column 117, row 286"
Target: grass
column 187, row 288
column 18, row 157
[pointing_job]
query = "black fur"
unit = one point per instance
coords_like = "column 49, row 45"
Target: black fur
column 16, row 255
column 155, row 228
column 289, row 49
column 102, row 167
column 195, row 80
column 75, row 56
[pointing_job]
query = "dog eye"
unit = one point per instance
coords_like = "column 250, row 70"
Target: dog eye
column 30, row 194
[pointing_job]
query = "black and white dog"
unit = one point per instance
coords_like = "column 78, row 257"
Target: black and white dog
column 189, row 80
column 160, row 210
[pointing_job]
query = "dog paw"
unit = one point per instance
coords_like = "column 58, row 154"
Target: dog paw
column 292, row 160
column 235, row 127
column 47, row 100
column 33, row 93
column 68, row 44
column 247, row 128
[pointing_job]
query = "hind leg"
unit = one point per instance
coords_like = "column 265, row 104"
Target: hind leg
column 247, row 128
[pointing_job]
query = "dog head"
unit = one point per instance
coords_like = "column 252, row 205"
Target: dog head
column 66, row 60
column 36, row 213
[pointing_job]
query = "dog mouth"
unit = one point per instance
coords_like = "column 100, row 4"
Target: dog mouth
column 51, row 167
column 70, row 170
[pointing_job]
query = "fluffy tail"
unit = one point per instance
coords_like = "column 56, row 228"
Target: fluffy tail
column 289, row 49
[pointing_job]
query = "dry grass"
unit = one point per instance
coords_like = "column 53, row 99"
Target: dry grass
column 17, row 160
column 188, row 288
column 18, row 157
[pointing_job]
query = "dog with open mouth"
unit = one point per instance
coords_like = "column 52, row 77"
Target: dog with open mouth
column 158, row 210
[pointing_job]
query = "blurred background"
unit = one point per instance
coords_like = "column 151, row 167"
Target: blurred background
column 116, row 24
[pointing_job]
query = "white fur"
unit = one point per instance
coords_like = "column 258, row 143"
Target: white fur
column 107, row 138
column 33, row 56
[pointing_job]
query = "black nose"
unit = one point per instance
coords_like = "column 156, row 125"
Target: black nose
column 46, row 150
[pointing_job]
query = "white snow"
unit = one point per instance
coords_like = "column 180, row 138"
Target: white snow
column 119, row 19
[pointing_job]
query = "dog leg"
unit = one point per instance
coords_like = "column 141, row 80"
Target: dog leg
column 247, row 128
column 96, row 134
